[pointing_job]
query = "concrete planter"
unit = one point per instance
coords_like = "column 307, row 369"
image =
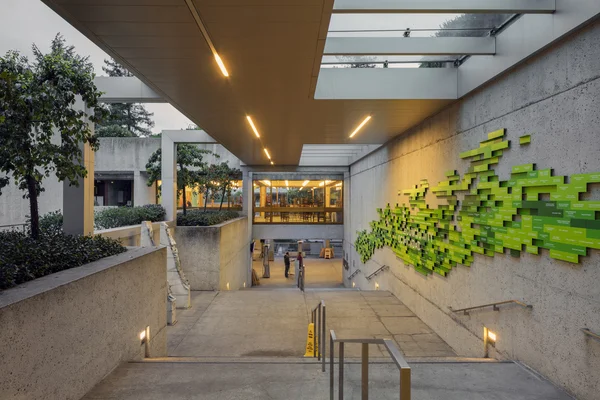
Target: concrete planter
column 214, row 256
column 63, row 333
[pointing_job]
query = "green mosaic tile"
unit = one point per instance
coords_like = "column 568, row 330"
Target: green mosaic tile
column 494, row 216
column 524, row 140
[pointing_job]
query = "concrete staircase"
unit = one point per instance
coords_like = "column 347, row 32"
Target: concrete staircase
column 294, row 378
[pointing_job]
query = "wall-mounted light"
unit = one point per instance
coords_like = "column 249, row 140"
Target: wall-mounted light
column 244, row 284
column 145, row 339
column 267, row 153
column 376, row 286
column 492, row 336
column 227, row 285
column 143, row 336
column 249, row 119
column 353, row 284
column 360, row 126
column 489, row 339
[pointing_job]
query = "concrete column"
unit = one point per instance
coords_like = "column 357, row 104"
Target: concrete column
column 78, row 202
column 247, row 192
column 169, row 176
column 140, row 189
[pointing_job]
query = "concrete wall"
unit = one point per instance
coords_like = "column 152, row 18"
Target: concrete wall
column 555, row 97
column 63, row 333
column 211, row 256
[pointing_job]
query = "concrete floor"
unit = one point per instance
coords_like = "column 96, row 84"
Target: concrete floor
column 249, row 345
column 228, row 380
column 259, row 323
column 320, row 273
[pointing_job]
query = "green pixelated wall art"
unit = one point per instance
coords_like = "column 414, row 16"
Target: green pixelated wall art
column 532, row 210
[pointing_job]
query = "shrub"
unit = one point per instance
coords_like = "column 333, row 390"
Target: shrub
column 125, row 216
column 51, row 223
column 208, row 218
column 23, row 259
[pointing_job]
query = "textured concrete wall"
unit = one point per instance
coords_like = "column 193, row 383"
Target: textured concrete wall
column 555, row 97
column 211, row 256
column 63, row 333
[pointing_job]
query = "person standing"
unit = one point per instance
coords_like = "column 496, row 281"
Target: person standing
column 286, row 261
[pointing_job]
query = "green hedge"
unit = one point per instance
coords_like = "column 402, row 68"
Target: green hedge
column 23, row 259
column 208, row 218
column 125, row 216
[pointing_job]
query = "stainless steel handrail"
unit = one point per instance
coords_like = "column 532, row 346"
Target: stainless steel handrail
column 405, row 371
column 495, row 305
column 319, row 318
column 377, row 272
column 591, row 334
column 353, row 274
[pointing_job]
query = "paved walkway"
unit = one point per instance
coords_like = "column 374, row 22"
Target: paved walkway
column 320, row 273
column 261, row 323
column 229, row 380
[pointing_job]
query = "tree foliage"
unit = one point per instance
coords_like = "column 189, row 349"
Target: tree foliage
column 357, row 61
column 41, row 130
column 190, row 167
column 132, row 117
column 223, row 177
column 114, row 131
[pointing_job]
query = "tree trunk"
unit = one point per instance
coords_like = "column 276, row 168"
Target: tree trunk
column 222, row 198
column 206, row 200
column 184, row 202
column 33, row 207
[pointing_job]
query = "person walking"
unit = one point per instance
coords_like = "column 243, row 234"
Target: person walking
column 286, row 261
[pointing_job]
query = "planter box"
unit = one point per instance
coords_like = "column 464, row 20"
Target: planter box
column 63, row 333
column 212, row 256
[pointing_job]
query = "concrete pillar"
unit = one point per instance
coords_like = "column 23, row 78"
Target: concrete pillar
column 263, row 199
column 247, row 192
column 78, row 202
column 169, row 176
column 140, row 190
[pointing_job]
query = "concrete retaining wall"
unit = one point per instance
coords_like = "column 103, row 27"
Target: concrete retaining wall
column 555, row 97
column 212, row 256
column 63, row 333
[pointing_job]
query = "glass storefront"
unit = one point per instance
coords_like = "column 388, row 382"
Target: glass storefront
column 298, row 202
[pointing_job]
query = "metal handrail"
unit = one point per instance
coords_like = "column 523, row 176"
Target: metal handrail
column 319, row 319
column 405, row 371
column 377, row 272
column 301, row 277
column 353, row 274
column 591, row 334
column 494, row 305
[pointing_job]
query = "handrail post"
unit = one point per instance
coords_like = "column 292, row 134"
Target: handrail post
column 405, row 383
column 341, row 373
column 323, row 339
column 365, row 371
column 318, row 333
column 331, row 372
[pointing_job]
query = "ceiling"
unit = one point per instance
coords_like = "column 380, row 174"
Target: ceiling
column 272, row 50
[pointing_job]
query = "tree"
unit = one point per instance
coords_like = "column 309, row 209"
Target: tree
column 466, row 25
column 223, row 179
column 189, row 165
column 357, row 61
column 36, row 107
column 130, row 116
column 114, row 131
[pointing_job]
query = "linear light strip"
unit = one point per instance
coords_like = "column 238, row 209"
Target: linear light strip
column 360, row 126
column 267, row 153
column 204, row 31
column 249, row 118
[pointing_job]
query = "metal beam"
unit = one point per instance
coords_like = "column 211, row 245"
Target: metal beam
column 410, row 46
column 387, row 84
column 126, row 90
column 446, row 6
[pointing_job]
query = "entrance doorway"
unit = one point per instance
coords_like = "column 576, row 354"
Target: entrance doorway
column 322, row 261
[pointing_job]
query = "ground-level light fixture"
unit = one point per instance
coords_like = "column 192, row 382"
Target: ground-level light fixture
column 489, row 339
column 360, row 126
column 249, row 119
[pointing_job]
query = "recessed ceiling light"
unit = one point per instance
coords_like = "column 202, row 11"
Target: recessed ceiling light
column 360, row 126
column 221, row 65
column 267, row 153
column 272, row 163
column 252, row 126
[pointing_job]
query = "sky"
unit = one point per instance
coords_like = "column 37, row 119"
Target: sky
column 24, row 22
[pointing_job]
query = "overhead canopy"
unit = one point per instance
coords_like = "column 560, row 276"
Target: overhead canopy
column 273, row 52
